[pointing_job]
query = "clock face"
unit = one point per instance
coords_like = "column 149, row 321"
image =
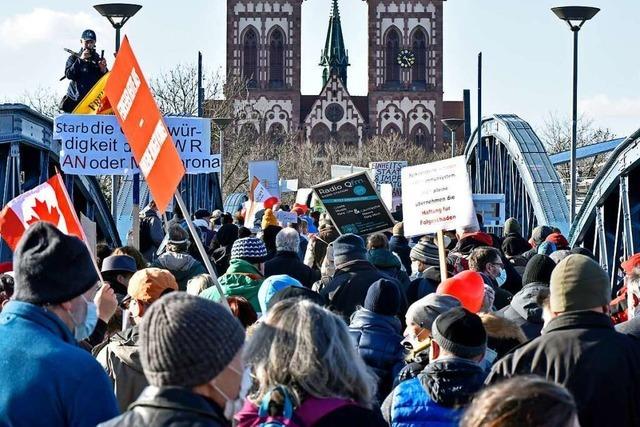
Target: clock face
column 334, row 112
column 406, row 58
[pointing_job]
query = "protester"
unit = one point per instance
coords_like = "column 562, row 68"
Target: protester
column 223, row 241
column 199, row 283
column 295, row 292
column 151, row 231
column 353, row 276
column 514, row 244
column 46, row 379
column 467, row 287
column 377, row 333
column 488, row 262
column 538, row 236
column 83, row 70
column 469, row 238
column 7, row 284
column 419, row 319
column 133, row 253
column 546, row 248
column 268, row 219
column 523, row 309
column 503, row 335
column 558, row 256
column 286, row 260
column 383, row 259
column 190, row 351
column 117, row 270
column 303, row 353
column 103, row 250
column 439, row 394
column 525, row 401
column 580, row 348
column 271, row 286
column 425, row 265
column 201, row 219
column 317, row 247
column 399, row 245
column 183, row 266
column 269, row 238
column 631, row 268
column 120, row 357
column 559, row 241
column 242, row 310
column 244, row 275
column 244, row 232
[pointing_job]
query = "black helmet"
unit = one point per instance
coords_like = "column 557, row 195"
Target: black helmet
column 88, row 35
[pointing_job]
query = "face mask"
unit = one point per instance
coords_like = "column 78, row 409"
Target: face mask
column 233, row 406
column 633, row 300
column 415, row 270
column 502, row 278
column 83, row 330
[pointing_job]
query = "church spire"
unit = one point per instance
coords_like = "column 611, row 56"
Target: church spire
column 334, row 56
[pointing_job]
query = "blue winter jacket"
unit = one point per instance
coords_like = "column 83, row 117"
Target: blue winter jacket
column 377, row 338
column 45, row 378
column 437, row 397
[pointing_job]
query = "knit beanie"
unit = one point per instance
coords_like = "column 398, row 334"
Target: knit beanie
column 250, row 249
column 546, row 248
column 558, row 256
column 268, row 219
column 460, row 332
column 424, row 311
column 425, row 252
column 383, row 297
column 187, row 341
column 512, row 225
column 578, row 283
column 271, row 285
column 348, row 247
column 398, row 229
column 559, row 240
column 51, row 267
column 538, row 269
column 584, row 251
column 540, row 233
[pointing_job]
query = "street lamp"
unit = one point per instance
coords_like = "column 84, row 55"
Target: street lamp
column 118, row 14
column 222, row 123
column 452, row 125
column 575, row 17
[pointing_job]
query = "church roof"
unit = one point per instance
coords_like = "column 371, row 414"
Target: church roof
column 334, row 54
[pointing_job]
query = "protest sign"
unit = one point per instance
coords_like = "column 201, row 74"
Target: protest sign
column 96, row 145
column 491, row 207
column 386, row 194
column 267, row 172
column 302, row 197
column 338, row 171
column 437, row 196
column 288, row 185
column 389, row 173
column 285, row 218
column 90, row 232
column 354, row 205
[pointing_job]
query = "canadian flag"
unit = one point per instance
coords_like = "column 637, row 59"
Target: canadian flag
column 47, row 202
column 259, row 198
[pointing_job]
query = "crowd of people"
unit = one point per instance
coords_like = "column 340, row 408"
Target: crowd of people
column 304, row 326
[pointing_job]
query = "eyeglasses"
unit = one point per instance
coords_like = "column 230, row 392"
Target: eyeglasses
column 500, row 264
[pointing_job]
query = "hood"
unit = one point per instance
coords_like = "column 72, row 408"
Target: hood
column 127, row 349
column 452, row 382
column 432, row 273
column 363, row 318
column 524, row 302
column 174, row 261
column 501, row 328
column 383, row 258
column 240, row 266
column 471, row 241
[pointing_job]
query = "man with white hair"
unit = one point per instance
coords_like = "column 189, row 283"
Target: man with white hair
column 287, row 260
column 631, row 268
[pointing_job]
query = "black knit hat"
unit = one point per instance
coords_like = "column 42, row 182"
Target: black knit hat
column 51, row 267
column 538, row 269
column 460, row 332
column 187, row 340
column 250, row 249
column 383, row 297
column 425, row 252
column 296, row 292
column 348, row 247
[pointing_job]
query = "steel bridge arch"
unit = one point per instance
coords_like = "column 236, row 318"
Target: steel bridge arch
column 608, row 222
column 512, row 160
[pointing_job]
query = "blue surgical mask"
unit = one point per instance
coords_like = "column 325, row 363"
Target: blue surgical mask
column 502, row 278
column 83, row 330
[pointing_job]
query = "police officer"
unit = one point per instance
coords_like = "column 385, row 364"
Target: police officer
column 84, row 70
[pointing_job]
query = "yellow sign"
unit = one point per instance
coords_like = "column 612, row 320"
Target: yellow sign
column 95, row 101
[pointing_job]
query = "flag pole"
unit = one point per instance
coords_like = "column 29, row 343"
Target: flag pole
column 203, row 253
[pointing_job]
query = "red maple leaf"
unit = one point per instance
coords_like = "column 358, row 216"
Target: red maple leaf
column 44, row 213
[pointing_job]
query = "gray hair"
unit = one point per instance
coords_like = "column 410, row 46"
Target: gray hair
column 287, row 240
column 199, row 283
column 307, row 349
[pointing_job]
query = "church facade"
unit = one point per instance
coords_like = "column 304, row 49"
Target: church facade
column 405, row 91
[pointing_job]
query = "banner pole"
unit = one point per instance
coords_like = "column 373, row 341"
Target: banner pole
column 203, row 253
column 442, row 255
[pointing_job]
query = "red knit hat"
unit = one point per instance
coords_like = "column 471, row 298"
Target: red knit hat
column 558, row 239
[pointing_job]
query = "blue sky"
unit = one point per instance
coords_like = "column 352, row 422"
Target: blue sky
column 526, row 50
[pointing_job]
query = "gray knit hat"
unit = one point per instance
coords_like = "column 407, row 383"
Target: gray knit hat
column 425, row 252
column 425, row 310
column 187, row 341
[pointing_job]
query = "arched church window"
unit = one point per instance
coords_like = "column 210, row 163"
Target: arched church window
column 422, row 137
column 392, row 48
column 348, row 134
column 391, row 130
column 276, row 133
column 250, row 57
column 419, row 46
column 276, row 59
column 320, row 134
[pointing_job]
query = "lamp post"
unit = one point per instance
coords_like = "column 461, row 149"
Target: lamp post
column 452, row 125
column 221, row 123
column 118, row 14
column 575, row 17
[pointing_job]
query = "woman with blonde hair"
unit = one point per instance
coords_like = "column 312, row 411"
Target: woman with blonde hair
column 305, row 368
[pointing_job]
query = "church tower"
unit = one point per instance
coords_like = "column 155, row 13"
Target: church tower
column 334, row 58
column 263, row 49
column 405, row 69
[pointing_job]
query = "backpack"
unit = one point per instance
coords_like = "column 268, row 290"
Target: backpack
column 271, row 413
column 145, row 234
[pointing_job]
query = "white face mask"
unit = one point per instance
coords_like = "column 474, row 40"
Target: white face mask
column 232, row 406
column 633, row 299
column 415, row 269
column 83, row 330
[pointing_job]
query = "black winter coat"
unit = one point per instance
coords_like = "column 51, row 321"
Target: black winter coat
column 582, row 351
column 525, row 311
column 289, row 263
column 170, row 406
column 83, row 75
column 377, row 339
column 348, row 288
column 400, row 246
column 425, row 285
